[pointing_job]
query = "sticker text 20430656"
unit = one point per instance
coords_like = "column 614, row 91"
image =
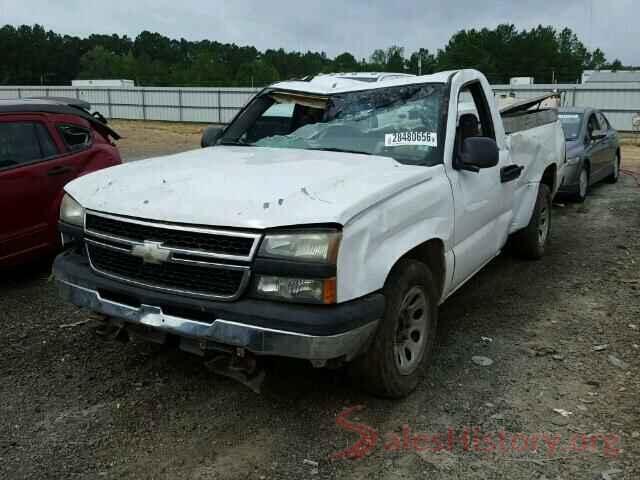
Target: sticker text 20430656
column 397, row 139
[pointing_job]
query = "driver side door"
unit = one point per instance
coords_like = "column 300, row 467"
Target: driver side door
column 482, row 202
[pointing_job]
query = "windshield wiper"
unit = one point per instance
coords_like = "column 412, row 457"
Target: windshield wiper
column 344, row 150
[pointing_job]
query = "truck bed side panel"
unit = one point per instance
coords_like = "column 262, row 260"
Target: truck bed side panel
column 535, row 150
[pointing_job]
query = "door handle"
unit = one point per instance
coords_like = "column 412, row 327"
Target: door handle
column 59, row 170
column 510, row 173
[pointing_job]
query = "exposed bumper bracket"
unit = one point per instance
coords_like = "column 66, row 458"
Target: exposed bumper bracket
column 259, row 340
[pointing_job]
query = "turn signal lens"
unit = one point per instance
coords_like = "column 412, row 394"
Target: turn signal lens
column 304, row 290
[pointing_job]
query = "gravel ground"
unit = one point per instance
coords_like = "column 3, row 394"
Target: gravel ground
column 75, row 406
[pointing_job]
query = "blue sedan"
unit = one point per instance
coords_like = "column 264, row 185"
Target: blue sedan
column 593, row 151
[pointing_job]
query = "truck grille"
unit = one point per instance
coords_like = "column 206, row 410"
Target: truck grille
column 185, row 238
column 180, row 259
column 176, row 277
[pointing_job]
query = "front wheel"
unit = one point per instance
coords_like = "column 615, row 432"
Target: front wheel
column 583, row 186
column 531, row 241
column 401, row 349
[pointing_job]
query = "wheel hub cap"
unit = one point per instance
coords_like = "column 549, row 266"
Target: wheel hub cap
column 584, row 180
column 543, row 224
column 411, row 333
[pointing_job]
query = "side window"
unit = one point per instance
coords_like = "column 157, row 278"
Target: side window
column 20, row 143
column 592, row 125
column 75, row 137
column 474, row 116
column 604, row 123
column 46, row 142
column 276, row 120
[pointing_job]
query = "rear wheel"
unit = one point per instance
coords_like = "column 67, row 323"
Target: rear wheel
column 402, row 346
column 531, row 242
column 613, row 178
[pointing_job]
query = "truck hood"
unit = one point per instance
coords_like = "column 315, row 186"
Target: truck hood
column 247, row 187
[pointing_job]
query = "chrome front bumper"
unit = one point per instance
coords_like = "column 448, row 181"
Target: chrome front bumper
column 259, row 340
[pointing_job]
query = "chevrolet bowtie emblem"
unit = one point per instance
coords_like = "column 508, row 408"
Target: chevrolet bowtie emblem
column 151, row 252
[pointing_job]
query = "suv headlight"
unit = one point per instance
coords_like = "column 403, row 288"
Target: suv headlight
column 321, row 246
column 71, row 212
column 312, row 247
column 573, row 160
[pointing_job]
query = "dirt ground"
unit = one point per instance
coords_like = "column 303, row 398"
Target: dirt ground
column 563, row 333
column 152, row 139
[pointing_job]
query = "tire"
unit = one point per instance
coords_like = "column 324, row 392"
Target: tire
column 583, row 186
column 613, row 178
column 531, row 242
column 391, row 369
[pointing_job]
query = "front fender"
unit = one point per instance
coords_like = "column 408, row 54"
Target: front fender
column 377, row 238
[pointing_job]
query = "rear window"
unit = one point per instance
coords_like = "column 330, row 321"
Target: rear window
column 76, row 137
column 24, row 142
column 571, row 124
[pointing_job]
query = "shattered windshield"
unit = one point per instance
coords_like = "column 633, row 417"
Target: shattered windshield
column 397, row 122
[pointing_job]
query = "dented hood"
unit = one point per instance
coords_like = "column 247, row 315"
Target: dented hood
column 247, row 187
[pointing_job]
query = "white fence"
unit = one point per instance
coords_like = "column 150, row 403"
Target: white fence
column 206, row 105
column 219, row 105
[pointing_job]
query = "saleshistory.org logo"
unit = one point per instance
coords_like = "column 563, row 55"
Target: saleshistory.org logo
column 471, row 439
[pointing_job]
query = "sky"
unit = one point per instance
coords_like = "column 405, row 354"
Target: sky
column 333, row 26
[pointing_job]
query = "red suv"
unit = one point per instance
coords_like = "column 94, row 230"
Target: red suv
column 44, row 144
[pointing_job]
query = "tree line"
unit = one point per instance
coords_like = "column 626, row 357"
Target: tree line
column 31, row 55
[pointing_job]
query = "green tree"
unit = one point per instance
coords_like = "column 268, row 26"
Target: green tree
column 428, row 61
column 258, row 73
column 345, row 62
column 32, row 55
column 100, row 63
column 395, row 59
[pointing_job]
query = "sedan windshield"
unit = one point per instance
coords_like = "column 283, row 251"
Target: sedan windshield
column 397, row 122
column 571, row 124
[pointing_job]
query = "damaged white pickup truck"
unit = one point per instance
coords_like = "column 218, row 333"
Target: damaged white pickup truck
column 327, row 222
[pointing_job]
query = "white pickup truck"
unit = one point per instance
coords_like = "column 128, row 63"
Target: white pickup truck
column 327, row 222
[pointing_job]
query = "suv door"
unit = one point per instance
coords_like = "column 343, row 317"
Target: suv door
column 26, row 151
column 74, row 142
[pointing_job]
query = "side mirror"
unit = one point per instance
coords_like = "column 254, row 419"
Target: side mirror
column 477, row 153
column 598, row 134
column 210, row 136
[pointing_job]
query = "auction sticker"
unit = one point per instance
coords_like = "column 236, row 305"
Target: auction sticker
column 413, row 139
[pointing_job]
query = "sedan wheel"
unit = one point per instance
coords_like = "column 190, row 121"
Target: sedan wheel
column 583, row 185
column 615, row 175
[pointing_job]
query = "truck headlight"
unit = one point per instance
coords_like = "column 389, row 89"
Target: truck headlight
column 309, row 246
column 71, row 212
column 304, row 290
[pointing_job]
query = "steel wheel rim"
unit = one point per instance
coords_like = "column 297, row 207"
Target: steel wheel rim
column 544, row 223
column 584, row 181
column 411, row 333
